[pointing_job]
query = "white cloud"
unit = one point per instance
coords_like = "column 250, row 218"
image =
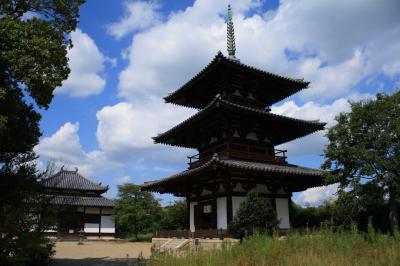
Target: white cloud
column 337, row 44
column 125, row 130
column 317, row 195
column 124, row 135
column 314, row 143
column 139, row 15
column 87, row 64
column 123, row 179
column 64, row 147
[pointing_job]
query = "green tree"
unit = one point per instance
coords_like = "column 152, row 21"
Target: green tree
column 254, row 214
column 310, row 217
column 34, row 38
column 175, row 216
column 136, row 211
column 364, row 147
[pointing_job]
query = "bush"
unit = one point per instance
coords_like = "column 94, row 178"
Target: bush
column 140, row 238
column 254, row 214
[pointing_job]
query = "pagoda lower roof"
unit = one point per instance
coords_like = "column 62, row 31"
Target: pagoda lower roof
column 304, row 177
column 200, row 90
column 74, row 200
column 285, row 128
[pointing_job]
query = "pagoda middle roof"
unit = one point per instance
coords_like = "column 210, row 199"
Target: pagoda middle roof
column 288, row 128
column 200, row 90
column 72, row 180
column 303, row 176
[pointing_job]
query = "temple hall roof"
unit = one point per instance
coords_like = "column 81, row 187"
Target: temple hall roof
column 72, row 180
column 200, row 90
column 72, row 200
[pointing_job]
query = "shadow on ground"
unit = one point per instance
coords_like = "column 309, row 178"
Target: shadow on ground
column 97, row 262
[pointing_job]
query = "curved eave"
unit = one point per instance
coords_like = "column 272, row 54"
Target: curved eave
column 315, row 175
column 296, row 84
column 218, row 102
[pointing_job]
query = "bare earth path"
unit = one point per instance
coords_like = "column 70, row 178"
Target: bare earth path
column 102, row 253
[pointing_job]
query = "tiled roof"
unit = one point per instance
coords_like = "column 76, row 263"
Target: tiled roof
column 218, row 102
column 288, row 169
column 72, row 180
column 298, row 82
column 82, row 201
column 272, row 168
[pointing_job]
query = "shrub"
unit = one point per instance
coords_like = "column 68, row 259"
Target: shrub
column 254, row 214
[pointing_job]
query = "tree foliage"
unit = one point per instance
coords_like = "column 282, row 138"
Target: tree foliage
column 175, row 216
column 33, row 48
column 364, row 148
column 254, row 214
column 136, row 211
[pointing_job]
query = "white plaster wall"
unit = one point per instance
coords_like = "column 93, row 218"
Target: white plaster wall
column 236, row 203
column 260, row 188
column 205, row 192
column 239, row 188
column 221, row 213
column 107, row 224
column 91, row 228
column 281, row 191
column 92, row 210
column 282, row 211
column 192, row 204
column 106, row 210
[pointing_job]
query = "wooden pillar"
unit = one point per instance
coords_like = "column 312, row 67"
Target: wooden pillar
column 229, row 210
column 273, row 203
column 290, row 210
column 215, row 210
column 100, row 224
column 188, row 213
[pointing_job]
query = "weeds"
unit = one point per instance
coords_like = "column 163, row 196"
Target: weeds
column 322, row 247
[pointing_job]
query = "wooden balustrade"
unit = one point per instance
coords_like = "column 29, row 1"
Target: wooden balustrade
column 200, row 233
column 239, row 151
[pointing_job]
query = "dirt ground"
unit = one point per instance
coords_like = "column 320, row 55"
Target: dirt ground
column 102, row 253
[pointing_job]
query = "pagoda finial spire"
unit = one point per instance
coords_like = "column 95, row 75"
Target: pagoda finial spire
column 230, row 32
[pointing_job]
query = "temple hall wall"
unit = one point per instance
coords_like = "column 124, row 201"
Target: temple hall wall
column 107, row 224
column 191, row 214
column 236, row 203
column 282, row 211
column 222, row 221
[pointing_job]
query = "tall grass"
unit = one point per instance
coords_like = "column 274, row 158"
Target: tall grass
column 315, row 248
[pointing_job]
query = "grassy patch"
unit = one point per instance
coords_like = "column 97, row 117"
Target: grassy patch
column 318, row 248
column 140, row 238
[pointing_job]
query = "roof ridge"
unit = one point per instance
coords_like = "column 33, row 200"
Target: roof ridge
column 220, row 56
column 57, row 180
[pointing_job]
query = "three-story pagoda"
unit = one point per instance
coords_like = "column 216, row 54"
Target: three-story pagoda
column 235, row 135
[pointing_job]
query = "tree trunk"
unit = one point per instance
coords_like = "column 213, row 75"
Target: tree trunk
column 393, row 213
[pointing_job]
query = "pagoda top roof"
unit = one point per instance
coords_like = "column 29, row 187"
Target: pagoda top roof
column 308, row 126
column 290, row 172
column 72, row 180
column 198, row 91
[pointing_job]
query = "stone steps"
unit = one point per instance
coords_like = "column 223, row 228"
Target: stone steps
column 173, row 244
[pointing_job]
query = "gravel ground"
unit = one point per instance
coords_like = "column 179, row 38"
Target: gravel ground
column 102, row 253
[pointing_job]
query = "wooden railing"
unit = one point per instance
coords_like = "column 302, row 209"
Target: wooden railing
column 200, row 233
column 239, row 151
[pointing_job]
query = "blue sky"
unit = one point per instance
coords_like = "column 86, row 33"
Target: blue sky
column 127, row 55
